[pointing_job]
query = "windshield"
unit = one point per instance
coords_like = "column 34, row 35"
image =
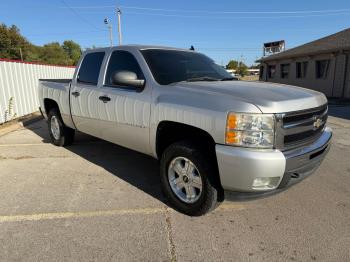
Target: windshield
column 170, row 66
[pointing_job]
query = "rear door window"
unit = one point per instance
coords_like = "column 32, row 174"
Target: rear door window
column 90, row 68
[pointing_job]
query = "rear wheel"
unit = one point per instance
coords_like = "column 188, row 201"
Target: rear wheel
column 190, row 179
column 60, row 134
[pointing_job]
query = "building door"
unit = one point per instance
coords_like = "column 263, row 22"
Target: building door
column 347, row 78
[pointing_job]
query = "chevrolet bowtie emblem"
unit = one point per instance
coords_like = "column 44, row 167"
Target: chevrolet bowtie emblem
column 317, row 123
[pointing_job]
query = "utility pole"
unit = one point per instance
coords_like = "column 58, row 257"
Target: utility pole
column 106, row 21
column 20, row 52
column 119, row 12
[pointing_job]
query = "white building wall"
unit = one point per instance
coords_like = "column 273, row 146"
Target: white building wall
column 18, row 86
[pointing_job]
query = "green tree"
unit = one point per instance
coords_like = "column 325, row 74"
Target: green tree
column 232, row 64
column 33, row 54
column 53, row 53
column 73, row 50
column 12, row 43
column 256, row 66
column 242, row 69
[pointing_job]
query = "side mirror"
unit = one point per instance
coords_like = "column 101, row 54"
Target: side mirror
column 127, row 78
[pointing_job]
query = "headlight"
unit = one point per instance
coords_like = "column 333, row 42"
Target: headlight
column 250, row 130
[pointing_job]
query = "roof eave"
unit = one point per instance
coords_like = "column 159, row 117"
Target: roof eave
column 319, row 52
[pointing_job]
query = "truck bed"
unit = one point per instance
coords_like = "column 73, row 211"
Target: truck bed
column 57, row 91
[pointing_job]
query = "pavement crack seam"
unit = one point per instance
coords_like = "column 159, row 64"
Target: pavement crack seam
column 171, row 244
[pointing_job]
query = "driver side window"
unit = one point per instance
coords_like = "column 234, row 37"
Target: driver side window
column 122, row 61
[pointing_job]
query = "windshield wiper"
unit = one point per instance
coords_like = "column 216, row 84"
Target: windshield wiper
column 203, row 78
column 196, row 79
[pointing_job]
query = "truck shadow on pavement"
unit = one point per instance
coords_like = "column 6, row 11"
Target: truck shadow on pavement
column 340, row 110
column 137, row 169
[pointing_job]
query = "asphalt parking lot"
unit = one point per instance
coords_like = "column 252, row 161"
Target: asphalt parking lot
column 95, row 201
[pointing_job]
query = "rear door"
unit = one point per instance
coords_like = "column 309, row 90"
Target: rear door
column 84, row 94
column 125, row 115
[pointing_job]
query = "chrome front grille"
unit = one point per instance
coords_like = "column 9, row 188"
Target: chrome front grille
column 299, row 128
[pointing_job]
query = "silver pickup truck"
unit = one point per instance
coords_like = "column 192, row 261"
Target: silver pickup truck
column 210, row 132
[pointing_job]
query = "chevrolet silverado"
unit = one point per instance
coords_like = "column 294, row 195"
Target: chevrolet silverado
column 210, row 133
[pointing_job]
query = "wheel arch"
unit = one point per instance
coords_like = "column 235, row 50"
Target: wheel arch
column 50, row 104
column 169, row 132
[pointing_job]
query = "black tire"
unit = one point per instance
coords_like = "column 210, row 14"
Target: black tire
column 212, row 192
column 66, row 134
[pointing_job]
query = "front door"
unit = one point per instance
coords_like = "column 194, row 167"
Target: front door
column 124, row 111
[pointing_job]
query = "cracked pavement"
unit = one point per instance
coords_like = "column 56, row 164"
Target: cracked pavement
column 95, row 201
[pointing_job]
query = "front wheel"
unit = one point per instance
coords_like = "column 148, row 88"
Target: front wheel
column 60, row 134
column 190, row 179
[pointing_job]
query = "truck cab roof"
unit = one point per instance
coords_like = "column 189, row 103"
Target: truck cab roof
column 136, row 47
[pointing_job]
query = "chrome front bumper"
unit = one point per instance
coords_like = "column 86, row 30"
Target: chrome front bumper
column 240, row 167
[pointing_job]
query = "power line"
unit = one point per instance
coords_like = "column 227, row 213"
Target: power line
column 226, row 17
column 235, row 17
column 78, row 15
column 236, row 12
column 67, row 33
column 227, row 51
column 230, row 48
column 214, row 12
column 91, row 7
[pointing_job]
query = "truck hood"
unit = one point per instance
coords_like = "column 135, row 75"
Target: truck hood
column 268, row 97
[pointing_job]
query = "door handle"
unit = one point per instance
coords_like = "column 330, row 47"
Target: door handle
column 76, row 94
column 104, row 99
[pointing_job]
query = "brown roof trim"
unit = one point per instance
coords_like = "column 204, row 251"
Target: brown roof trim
column 320, row 52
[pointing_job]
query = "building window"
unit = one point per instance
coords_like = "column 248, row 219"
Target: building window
column 301, row 69
column 322, row 69
column 271, row 71
column 284, row 70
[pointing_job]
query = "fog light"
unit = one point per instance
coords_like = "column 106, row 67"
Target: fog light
column 261, row 183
